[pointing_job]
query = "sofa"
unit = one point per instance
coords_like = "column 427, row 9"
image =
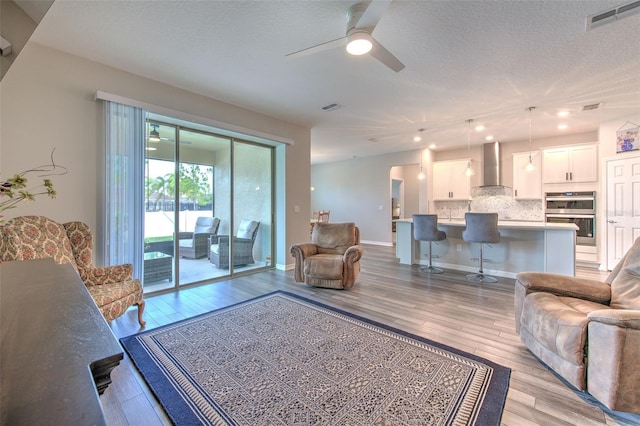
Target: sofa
column 331, row 259
column 113, row 288
column 587, row 331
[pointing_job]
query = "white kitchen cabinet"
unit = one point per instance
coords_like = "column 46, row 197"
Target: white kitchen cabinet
column 450, row 181
column 570, row 164
column 527, row 185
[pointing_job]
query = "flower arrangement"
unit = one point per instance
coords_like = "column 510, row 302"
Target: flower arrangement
column 16, row 189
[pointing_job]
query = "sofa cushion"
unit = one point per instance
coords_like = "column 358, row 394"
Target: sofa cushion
column 625, row 287
column 246, row 229
column 559, row 324
column 324, row 266
column 186, row 243
column 206, row 225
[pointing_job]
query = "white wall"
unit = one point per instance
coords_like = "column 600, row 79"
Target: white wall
column 359, row 191
column 47, row 100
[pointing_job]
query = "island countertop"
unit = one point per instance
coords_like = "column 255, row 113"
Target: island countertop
column 514, row 224
column 524, row 246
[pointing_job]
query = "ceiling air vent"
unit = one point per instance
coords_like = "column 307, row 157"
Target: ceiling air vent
column 332, row 107
column 608, row 16
column 591, row 107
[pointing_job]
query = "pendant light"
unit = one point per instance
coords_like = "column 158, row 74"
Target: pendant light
column 530, row 167
column 469, row 172
column 421, row 175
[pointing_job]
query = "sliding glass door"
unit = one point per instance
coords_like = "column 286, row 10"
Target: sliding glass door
column 253, row 205
column 208, row 206
column 204, row 202
column 159, row 217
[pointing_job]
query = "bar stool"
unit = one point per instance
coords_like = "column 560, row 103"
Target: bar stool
column 481, row 228
column 425, row 228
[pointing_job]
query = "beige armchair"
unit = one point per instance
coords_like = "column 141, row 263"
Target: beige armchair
column 331, row 259
column 587, row 331
column 36, row 237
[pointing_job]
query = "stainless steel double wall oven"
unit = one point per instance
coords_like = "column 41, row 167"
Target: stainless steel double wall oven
column 574, row 207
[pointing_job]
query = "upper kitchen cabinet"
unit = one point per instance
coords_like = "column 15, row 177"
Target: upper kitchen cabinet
column 570, row 164
column 527, row 184
column 450, row 181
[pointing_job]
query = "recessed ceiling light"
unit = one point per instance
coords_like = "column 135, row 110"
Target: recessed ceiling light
column 563, row 113
column 479, row 128
column 562, row 126
column 417, row 138
column 489, row 137
column 432, row 146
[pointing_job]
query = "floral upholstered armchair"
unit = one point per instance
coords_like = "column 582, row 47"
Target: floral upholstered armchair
column 36, row 237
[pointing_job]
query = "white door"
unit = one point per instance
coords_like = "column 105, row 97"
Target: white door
column 623, row 207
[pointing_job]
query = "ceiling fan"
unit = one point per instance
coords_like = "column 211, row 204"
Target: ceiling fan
column 154, row 136
column 362, row 19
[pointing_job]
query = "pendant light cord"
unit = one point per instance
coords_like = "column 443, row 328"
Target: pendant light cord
column 530, row 167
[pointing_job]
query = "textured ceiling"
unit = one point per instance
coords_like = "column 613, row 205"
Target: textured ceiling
column 486, row 61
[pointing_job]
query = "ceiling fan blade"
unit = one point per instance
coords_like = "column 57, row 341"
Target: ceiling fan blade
column 373, row 14
column 319, row 47
column 379, row 52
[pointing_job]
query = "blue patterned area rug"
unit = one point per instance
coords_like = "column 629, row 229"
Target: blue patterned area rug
column 281, row 359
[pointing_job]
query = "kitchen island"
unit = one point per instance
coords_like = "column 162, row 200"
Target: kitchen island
column 523, row 246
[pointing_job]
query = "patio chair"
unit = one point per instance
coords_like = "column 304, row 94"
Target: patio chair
column 194, row 244
column 242, row 246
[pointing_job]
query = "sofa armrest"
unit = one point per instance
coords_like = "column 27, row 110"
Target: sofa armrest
column 562, row 285
column 625, row 318
column 303, row 250
column 614, row 349
column 185, row 235
column 203, row 237
column 300, row 252
column 353, row 254
column 213, row 239
column 108, row 274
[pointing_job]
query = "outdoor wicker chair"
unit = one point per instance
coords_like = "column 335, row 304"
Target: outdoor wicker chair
column 242, row 246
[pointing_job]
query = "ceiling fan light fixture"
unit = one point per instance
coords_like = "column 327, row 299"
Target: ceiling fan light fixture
column 154, row 135
column 359, row 43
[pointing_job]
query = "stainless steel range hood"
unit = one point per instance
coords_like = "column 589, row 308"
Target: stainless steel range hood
column 491, row 167
column 491, row 173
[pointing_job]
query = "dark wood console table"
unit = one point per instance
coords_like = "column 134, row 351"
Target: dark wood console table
column 56, row 349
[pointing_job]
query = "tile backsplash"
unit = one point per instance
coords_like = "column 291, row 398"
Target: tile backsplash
column 506, row 206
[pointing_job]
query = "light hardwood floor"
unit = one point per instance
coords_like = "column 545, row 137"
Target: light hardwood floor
column 476, row 318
